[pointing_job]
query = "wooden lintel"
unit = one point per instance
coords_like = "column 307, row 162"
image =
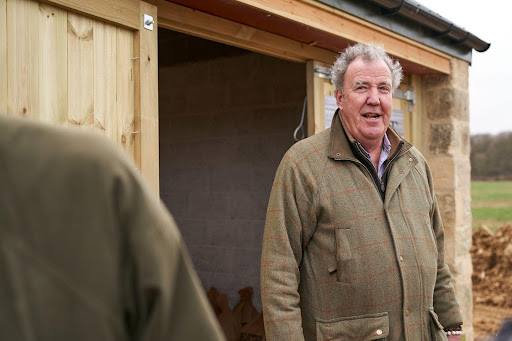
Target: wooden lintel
column 333, row 21
column 203, row 25
column 124, row 13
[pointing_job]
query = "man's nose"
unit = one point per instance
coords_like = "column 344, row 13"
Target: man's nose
column 373, row 97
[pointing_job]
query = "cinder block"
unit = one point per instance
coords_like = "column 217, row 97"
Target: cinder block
column 175, row 201
column 248, row 205
column 208, row 205
column 230, row 123
column 247, row 261
column 228, row 178
column 249, row 232
column 249, row 93
column 194, row 231
column 222, row 233
column 186, row 179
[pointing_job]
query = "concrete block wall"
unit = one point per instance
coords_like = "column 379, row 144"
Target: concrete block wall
column 225, row 124
column 446, row 127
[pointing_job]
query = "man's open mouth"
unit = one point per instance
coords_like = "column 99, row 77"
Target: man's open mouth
column 371, row 115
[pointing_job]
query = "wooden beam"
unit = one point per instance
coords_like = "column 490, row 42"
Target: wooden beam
column 124, row 13
column 333, row 21
column 203, row 25
column 3, row 56
column 146, row 90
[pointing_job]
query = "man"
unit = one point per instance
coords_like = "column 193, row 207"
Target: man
column 86, row 251
column 353, row 243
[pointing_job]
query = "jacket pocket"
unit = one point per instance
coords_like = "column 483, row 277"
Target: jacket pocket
column 436, row 328
column 362, row 327
column 347, row 256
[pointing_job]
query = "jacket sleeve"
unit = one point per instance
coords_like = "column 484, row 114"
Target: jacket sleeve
column 289, row 224
column 162, row 294
column 445, row 302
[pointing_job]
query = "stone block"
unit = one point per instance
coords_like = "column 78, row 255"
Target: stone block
column 463, row 140
column 447, row 102
column 441, row 136
column 434, row 81
column 443, row 172
column 459, row 73
column 447, row 206
column 462, row 242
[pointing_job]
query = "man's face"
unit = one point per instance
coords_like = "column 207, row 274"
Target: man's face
column 367, row 102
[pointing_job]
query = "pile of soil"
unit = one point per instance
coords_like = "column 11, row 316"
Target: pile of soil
column 492, row 266
column 492, row 279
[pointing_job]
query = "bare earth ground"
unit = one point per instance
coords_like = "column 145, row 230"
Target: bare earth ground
column 492, row 280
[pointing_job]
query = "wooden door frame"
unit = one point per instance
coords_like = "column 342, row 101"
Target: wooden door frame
column 127, row 14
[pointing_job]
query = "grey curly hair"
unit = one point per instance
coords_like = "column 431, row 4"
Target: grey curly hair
column 369, row 53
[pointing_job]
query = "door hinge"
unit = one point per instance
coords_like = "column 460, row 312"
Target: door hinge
column 323, row 72
column 408, row 95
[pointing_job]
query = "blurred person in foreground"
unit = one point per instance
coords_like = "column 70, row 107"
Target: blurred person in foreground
column 86, row 251
column 353, row 246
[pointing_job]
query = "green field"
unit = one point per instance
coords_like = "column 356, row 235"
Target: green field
column 491, row 203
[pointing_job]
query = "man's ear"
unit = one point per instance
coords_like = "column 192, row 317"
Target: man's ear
column 339, row 97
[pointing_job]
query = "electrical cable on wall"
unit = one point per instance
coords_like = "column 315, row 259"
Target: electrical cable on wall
column 301, row 124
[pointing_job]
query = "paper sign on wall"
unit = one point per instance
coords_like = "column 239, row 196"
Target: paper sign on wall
column 330, row 107
column 397, row 121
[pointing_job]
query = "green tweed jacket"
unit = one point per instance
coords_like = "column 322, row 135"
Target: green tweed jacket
column 87, row 252
column 342, row 262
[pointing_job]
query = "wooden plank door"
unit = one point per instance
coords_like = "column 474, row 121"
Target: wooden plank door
column 87, row 64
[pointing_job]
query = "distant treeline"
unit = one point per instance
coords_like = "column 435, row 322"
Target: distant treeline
column 491, row 156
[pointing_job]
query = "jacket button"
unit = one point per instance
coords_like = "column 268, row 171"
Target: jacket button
column 407, row 313
column 378, row 332
column 401, row 258
column 401, row 171
column 411, row 159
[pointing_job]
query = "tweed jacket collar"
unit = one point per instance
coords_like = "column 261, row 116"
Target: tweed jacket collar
column 340, row 140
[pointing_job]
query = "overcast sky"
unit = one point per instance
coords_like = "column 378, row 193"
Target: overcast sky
column 491, row 72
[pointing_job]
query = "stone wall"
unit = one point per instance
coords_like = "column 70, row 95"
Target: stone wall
column 447, row 140
column 225, row 124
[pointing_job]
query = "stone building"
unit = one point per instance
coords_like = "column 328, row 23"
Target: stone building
column 206, row 95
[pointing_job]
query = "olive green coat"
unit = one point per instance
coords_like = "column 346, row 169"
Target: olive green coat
column 340, row 262
column 86, row 252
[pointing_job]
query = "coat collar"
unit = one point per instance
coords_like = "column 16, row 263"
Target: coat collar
column 340, row 140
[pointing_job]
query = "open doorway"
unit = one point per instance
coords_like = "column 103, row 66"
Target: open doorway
column 227, row 117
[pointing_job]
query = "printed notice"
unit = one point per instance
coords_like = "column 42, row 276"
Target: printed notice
column 330, row 107
column 397, row 121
